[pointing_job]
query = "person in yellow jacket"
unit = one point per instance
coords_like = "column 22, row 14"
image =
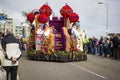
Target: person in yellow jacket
column 85, row 42
column 86, row 39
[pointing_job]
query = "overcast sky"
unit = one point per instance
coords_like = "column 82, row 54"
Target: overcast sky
column 92, row 15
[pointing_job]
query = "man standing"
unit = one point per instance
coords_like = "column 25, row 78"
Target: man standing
column 94, row 40
column 11, row 46
column 115, row 41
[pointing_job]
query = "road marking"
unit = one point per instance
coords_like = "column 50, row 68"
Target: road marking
column 107, row 59
column 87, row 70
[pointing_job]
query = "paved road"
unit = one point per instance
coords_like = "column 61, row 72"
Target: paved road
column 95, row 68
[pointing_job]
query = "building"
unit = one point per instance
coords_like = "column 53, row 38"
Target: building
column 5, row 22
column 2, row 21
column 26, row 29
column 9, row 23
column 21, row 30
column 18, row 31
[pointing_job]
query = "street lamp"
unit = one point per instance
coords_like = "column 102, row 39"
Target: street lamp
column 107, row 30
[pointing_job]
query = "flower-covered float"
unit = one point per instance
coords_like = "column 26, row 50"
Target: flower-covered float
column 56, row 39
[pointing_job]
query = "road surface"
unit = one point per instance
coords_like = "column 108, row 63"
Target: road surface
column 95, row 68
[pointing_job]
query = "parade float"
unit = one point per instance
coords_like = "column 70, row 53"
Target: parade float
column 52, row 39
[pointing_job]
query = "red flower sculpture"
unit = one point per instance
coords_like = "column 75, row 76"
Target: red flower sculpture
column 30, row 17
column 45, row 9
column 73, row 17
column 42, row 18
column 65, row 11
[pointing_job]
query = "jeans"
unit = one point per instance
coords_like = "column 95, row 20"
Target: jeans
column 98, row 50
column 94, row 50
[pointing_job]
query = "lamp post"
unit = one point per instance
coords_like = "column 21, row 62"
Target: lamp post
column 107, row 30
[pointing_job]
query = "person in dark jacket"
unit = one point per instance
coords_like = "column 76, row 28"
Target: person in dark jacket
column 94, row 40
column 11, row 46
column 21, row 43
column 119, row 49
column 111, row 47
column 101, row 46
column 115, row 41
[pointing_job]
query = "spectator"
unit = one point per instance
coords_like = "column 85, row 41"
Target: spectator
column 105, row 47
column 90, row 46
column 21, row 43
column 111, row 47
column 115, row 41
column 97, row 46
column 94, row 40
column 119, row 49
column 11, row 46
column 101, row 46
column 85, row 43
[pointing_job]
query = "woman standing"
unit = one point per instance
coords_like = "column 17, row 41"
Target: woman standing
column 11, row 46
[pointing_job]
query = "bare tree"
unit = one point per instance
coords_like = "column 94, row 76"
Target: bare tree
column 25, row 13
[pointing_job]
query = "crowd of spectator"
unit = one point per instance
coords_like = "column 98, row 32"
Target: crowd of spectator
column 105, row 46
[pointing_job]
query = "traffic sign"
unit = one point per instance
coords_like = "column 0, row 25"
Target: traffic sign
column 2, row 17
